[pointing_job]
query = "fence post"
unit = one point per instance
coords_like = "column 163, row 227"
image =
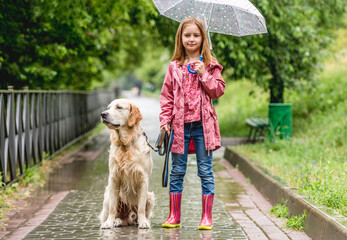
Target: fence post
column 11, row 132
column 3, row 150
column 27, row 135
column 40, row 127
column 19, row 136
column 33, row 128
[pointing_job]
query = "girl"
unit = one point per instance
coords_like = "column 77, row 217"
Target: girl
column 186, row 103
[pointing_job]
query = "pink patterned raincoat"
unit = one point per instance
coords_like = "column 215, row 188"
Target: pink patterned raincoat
column 172, row 105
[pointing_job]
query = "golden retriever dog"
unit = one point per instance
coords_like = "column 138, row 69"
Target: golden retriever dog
column 126, row 199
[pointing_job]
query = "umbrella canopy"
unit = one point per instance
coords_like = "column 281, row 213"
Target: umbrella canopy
column 231, row 17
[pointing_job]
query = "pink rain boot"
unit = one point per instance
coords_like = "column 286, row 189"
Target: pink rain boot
column 206, row 218
column 174, row 219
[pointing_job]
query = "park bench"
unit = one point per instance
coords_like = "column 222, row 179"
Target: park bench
column 257, row 128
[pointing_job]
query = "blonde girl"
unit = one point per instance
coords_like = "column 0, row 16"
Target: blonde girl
column 187, row 107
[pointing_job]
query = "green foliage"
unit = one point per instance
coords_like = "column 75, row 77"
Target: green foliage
column 4, row 205
column 69, row 44
column 76, row 44
column 32, row 175
column 242, row 99
column 321, row 95
column 316, row 158
column 63, row 44
column 166, row 32
column 324, row 94
column 280, row 210
column 297, row 222
column 154, row 67
column 299, row 32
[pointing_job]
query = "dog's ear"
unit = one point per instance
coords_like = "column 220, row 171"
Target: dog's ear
column 135, row 116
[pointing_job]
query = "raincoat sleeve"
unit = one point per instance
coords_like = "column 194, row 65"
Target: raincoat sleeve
column 166, row 99
column 213, row 82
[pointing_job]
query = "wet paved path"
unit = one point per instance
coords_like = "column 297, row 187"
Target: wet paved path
column 83, row 182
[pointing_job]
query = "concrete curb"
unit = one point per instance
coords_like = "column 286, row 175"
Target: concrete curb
column 318, row 225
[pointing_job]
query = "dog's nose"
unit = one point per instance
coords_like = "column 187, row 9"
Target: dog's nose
column 104, row 114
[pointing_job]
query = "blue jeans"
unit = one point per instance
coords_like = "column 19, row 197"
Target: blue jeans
column 193, row 130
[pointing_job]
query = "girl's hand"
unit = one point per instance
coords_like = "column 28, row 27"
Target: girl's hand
column 167, row 128
column 200, row 68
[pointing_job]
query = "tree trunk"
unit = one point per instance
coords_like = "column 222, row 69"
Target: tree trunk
column 276, row 84
column 276, row 90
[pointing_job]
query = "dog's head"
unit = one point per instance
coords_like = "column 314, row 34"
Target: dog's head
column 121, row 113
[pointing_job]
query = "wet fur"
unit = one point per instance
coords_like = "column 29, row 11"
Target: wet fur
column 126, row 199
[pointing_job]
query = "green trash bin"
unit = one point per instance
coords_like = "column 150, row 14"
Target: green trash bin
column 280, row 120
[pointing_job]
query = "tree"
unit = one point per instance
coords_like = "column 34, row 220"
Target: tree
column 56, row 44
column 299, row 32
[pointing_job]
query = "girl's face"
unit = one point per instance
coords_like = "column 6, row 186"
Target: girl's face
column 191, row 38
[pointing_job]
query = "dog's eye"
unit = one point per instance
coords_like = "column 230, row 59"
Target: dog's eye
column 119, row 107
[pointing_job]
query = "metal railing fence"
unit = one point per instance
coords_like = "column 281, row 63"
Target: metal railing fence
column 33, row 122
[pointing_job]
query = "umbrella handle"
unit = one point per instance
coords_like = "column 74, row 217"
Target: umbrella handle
column 191, row 71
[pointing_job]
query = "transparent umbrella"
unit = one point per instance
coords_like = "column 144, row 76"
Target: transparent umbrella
column 231, row 17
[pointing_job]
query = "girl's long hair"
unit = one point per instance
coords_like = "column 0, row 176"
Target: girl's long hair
column 180, row 53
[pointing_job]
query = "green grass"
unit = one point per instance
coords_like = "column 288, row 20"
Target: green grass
column 296, row 222
column 315, row 160
column 280, row 210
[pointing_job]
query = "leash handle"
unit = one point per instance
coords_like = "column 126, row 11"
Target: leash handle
column 159, row 143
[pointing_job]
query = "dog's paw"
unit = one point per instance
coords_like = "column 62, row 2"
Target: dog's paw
column 107, row 225
column 144, row 223
column 118, row 222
